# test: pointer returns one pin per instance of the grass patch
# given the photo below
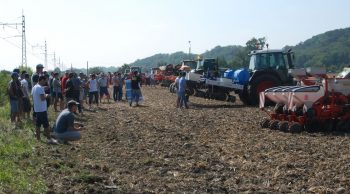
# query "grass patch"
(17, 172)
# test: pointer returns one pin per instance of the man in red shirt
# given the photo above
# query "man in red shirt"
(64, 81)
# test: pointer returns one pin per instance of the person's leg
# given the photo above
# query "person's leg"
(91, 96)
(107, 94)
(60, 97)
(184, 99)
(115, 93)
(68, 136)
(55, 97)
(181, 99)
(137, 96)
(38, 123)
(133, 97)
(19, 114)
(101, 95)
(120, 92)
(13, 110)
(96, 97)
(46, 125)
(178, 98)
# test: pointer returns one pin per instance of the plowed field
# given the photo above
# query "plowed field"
(213, 147)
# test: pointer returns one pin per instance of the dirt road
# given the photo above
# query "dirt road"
(213, 147)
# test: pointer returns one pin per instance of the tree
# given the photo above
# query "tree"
(95, 70)
(256, 44)
(123, 68)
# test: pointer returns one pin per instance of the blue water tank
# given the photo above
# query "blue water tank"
(229, 74)
(241, 76)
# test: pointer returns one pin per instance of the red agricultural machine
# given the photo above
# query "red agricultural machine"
(169, 73)
(316, 103)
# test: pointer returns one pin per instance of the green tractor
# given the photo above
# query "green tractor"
(267, 68)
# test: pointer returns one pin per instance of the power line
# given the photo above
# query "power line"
(23, 35)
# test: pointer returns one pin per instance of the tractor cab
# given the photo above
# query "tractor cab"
(207, 66)
(270, 60)
(274, 62)
(190, 63)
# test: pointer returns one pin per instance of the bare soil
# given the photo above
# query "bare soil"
(213, 147)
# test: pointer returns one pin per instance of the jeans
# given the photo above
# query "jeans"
(68, 136)
(136, 95)
(92, 95)
(120, 92)
(183, 100)
(116, 93)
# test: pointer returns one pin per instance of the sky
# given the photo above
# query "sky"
(114, 32)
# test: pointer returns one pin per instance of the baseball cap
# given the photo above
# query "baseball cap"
(72, 102)
(16, 70)
(38, 66)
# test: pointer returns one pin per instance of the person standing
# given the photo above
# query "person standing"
(103, 83)
(69, 88)
(57, 92)
(64, 80)
(93, 90)
(37, 74)
(26, 101)
(15, 94)
(76, 90)
(135, 88)
(116, 86)
(181, 92)
(40, 109)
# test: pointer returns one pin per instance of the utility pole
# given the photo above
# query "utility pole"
(45, 52)
(46, 67)
(189, 50)
(87, 68)
(54, 60)
(23, 35)
(24, 48)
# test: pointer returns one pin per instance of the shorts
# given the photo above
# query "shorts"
(104, 90)
(14, 106)
(26, 105)
(41, 119)
(57, 95)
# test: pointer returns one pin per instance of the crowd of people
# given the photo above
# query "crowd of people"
(67, 94)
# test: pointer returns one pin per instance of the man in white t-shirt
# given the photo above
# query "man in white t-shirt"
(40, 109)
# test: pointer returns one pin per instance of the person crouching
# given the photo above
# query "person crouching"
(66, 129)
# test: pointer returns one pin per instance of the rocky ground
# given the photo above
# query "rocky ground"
(213, 147)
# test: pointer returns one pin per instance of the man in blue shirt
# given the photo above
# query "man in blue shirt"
(65, 128)
(181, 92)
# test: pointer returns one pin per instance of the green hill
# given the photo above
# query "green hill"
(330, 49)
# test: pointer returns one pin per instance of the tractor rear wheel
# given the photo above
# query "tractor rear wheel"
(244, 97)
(260, 84)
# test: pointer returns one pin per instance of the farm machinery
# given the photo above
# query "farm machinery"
(317, 103)
(129, 72)
(267, 68)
